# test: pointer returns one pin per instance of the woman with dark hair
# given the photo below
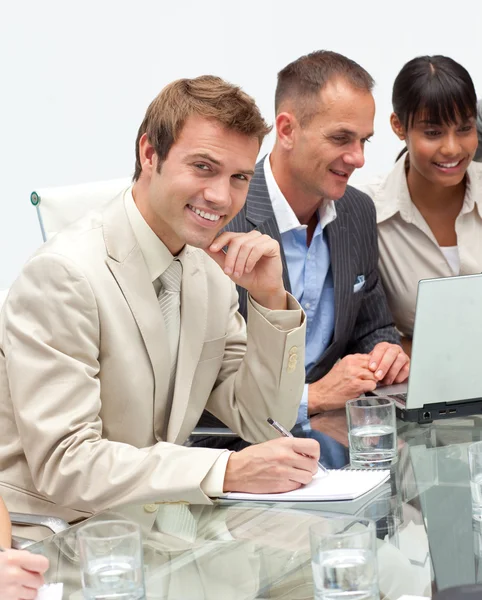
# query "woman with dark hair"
(429, 208)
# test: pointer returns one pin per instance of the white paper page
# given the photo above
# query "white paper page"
(336, 485)
(52, 591)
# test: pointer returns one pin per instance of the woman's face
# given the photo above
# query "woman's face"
(440, 153)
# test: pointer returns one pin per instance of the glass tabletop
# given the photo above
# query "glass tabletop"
(426, 539)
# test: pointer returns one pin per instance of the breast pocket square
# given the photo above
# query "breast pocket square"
(359, 283)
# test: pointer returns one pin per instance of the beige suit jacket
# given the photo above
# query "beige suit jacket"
(84, 371)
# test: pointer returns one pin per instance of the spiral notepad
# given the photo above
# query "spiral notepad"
(335, 485)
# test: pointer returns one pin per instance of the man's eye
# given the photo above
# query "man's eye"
(241, 177)
(432, 133)
(366, 140)
(339, 138)
(201, 166)
(466, 128)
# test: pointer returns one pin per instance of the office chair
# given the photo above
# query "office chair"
(57, 207)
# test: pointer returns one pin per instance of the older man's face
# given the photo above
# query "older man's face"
(331, 146)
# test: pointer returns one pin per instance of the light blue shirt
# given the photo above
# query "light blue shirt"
(310, 274)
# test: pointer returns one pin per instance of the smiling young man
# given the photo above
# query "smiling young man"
(327, 229)
(122, 329)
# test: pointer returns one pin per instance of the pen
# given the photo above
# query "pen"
(285, 433)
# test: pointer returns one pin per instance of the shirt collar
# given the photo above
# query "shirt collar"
(157, 256)
(473, 189)
(285, 216)
(394, 197)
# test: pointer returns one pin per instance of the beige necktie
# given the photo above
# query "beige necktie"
(170, 303)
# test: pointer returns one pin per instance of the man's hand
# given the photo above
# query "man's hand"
(280, 465)
(21, 574)
(349, 378)
(253, 261)
(389, 363)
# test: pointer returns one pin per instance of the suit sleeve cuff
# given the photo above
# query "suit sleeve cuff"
(212, 485)
(284, 320)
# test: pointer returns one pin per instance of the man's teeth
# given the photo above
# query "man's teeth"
(343, 174)
(448, 165)
(205, 215)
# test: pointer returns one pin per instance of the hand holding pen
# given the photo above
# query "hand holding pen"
(285, 433)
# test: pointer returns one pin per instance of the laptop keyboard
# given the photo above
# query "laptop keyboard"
(401, 398)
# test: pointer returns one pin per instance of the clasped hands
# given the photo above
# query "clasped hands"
(356, 374)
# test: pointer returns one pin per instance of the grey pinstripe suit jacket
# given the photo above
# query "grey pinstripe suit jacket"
(362, 319)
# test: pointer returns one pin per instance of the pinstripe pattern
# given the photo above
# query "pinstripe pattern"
(169, 301)
(362, 319)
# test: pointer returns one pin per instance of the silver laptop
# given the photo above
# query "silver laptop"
(446, 370)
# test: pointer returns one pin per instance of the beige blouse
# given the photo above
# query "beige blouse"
(408, 249)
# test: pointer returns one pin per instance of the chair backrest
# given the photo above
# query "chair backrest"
(57, 207)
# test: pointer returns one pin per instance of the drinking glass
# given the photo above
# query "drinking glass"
(475, 466)
(372, 432)
(111, 560)
(343, 559)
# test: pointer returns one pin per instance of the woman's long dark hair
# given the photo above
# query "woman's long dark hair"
(437, 86)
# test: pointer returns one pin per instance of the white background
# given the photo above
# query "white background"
(76, 78)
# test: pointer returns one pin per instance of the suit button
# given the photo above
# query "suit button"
(150, 508)
(291, 367)
(293, 350)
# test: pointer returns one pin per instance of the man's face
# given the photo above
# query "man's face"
(326, 151)
(202, 184)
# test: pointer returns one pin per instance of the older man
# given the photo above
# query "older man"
(327, 229)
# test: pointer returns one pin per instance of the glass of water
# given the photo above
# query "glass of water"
(344, 560)
(475, 466)
(372, 432)
(111, 560)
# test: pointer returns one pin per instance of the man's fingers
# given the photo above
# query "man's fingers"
(239, 264)
(368, 385)
(397, 366)
(267, 247)
(301, 476)
(376, 355)
(31, 580)
(365, 375)
(224, 239)
(239, 248)
(403, 373)
(307, 447)
(388, 359)
(219, 257)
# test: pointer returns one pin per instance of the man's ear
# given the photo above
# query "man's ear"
(397, 127)
(147, 155)
(286, 125)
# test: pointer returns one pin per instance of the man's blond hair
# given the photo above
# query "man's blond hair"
(206, 96)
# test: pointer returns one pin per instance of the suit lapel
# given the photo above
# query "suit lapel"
(193, 324)
(127, 265)
(340, 258)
